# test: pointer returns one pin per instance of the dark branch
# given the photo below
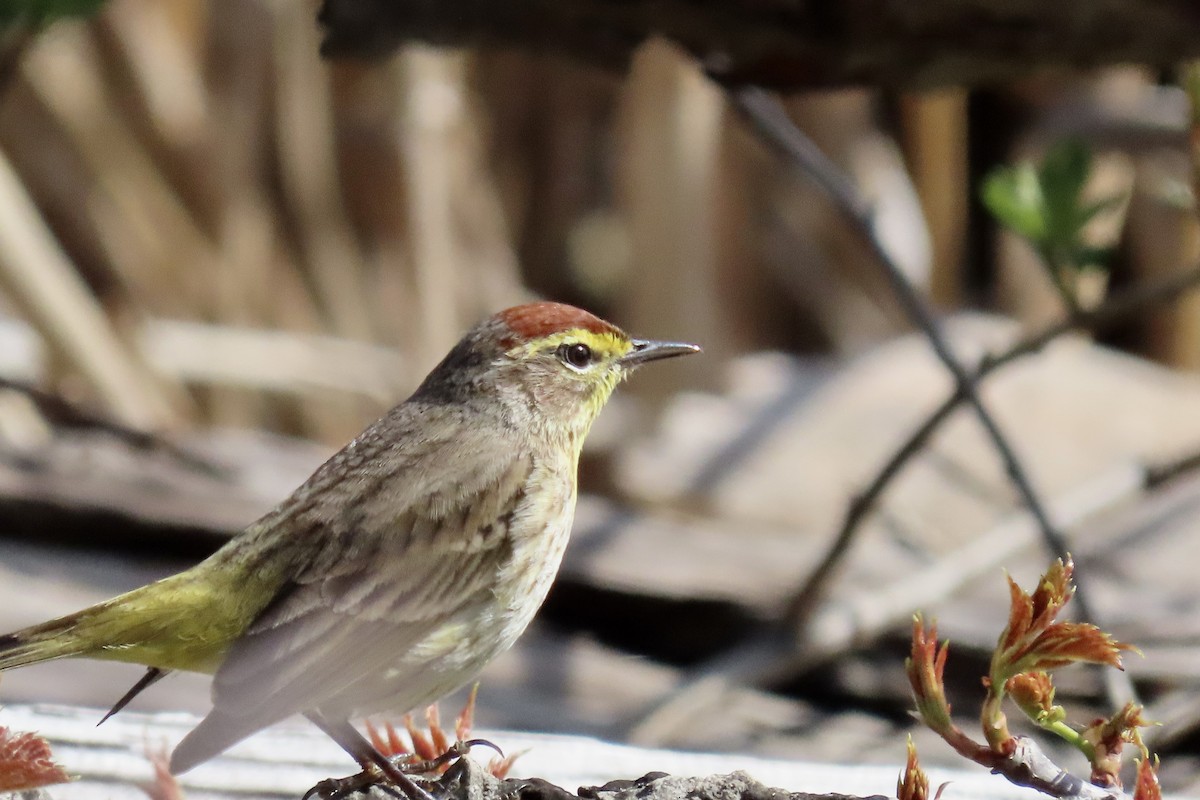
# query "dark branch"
(794, 44)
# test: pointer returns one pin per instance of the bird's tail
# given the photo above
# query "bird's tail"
(119, 629)
(57, 638)
(184, 622)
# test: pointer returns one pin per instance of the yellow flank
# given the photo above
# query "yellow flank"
(186, 621)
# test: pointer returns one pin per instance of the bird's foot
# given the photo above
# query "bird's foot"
(430, 751)
(342, 788)
(407, 764)
(451, 754)
(363, 782)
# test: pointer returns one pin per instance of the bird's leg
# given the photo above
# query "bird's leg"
(374, 763)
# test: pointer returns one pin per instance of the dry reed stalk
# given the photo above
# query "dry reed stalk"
(366, 106)
(490, 261)
(672, 127)
(161, 66)
(312, 189)
(43, 283)
(165, 252)
(433, 87)
(244, 284)
(1161, 236)
(935, 143)
(280, 362)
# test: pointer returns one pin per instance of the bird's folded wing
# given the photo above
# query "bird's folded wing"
(380, 578)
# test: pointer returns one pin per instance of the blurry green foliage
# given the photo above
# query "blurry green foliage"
(1044, 204)
(43, 12)
(1190, 81)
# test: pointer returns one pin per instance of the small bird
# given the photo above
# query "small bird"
(402, 566)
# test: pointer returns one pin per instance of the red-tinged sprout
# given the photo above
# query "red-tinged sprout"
(433, 721)
(388, 741)
(500, 767)
(1032, 644)
(164, 786)
(925, 668)
(1147, 786)
(913, 783)
(1034, 612)
(395, 741)
(432, 752)
(421, 746)
(1107, 738)
(466, 718)
(1034, 641)
(27, 763)
(375, 739)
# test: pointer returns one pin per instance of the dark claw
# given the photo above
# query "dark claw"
(333, 788)
(482, 743)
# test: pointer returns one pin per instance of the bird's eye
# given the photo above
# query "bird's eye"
(575, 354)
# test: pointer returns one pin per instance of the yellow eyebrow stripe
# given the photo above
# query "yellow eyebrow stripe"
(607, 344)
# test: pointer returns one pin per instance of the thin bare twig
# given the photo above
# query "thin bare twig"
(1116, 308)
(1159, 474)
(63, 412)
(770, 120)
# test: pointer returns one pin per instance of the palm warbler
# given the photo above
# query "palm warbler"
(408, 561)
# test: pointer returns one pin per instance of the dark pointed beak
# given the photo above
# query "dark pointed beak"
(644, 351)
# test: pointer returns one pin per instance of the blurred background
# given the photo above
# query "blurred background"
(221, 256)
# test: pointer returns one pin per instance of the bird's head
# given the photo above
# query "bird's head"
(546, 365)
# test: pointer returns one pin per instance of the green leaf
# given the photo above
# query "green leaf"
(1062, 177)
(1046, 206)
(1066, 167)
(1014, 197)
